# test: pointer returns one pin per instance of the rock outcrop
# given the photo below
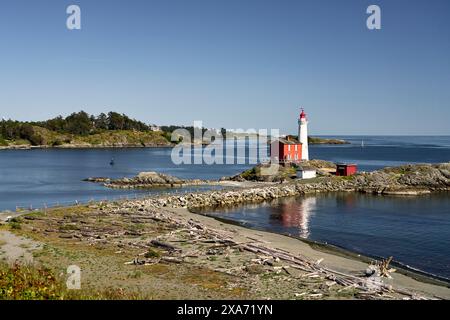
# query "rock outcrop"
(407, 179)
(265, 173)
(151, 180)
(278, 173)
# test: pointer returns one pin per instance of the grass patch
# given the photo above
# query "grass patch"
(135, 274)
(3, 142)
(205, 278)
(34, 214)
(21, 142)
(69, 227)
(271, 275)
(157, 269)
(39, 283)
(151, 253)
(15, 223)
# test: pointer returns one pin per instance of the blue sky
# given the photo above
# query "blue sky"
(232, 63)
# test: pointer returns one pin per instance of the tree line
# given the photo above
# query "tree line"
(81, 123)
(78, 123)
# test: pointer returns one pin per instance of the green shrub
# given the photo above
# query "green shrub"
(15, 223)
(28, 283)
(57, 142)
(3, 142)
(152, 254)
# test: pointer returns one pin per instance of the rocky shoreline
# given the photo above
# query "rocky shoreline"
(408, 180)
(87, 146)
(145, 180)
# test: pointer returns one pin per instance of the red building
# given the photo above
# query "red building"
(289, 150)
(345, 169)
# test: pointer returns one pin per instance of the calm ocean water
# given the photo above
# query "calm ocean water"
(398, 225)
(382, 151)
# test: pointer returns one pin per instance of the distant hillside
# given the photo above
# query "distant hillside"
(82, 130)
(314, 140)
(120, 138)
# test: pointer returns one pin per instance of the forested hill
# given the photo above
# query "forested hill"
(82, 130)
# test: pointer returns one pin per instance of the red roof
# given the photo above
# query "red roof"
(303, 114)
(291, 142)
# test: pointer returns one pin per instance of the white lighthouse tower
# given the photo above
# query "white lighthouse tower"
(303, 134)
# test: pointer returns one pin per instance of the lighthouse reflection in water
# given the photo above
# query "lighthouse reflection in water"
(315, 216)
(295, 214)
(291, 216)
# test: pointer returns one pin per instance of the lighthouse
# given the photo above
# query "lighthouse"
(303, 134)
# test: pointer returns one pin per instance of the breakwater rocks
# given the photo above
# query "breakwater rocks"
(149, 180)
(233, 197)
(405, 180)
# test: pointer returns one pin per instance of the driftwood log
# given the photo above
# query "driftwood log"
(166, 246)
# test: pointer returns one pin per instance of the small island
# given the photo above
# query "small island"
(315, 140)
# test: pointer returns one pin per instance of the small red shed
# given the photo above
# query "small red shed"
(346, 169)
(288, 150)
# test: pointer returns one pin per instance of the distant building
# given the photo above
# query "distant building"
(155, 128)
(289, 151)
(346, 169)
(303, 134)
(305, 172)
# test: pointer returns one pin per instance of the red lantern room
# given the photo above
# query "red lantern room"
(302, 115)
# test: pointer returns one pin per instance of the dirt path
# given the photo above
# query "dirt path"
(14, 248)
